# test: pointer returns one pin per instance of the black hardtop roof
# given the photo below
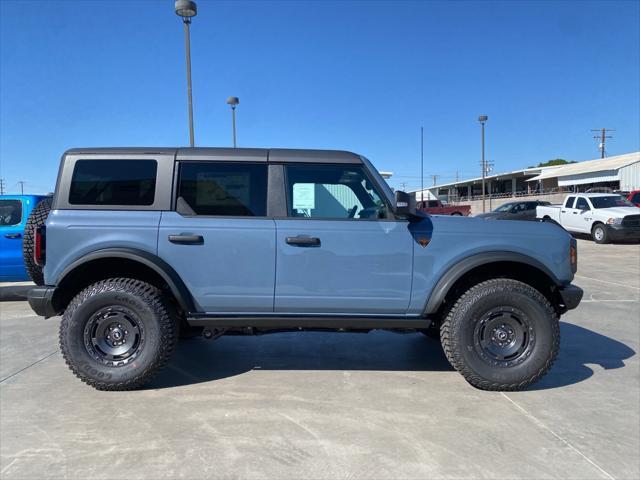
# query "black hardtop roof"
(225, 153)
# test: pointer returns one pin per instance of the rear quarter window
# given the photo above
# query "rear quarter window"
(113, 182)
(10, 212)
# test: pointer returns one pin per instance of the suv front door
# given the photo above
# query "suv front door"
(339, 251)
(219, 239)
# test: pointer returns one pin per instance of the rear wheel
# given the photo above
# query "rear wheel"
(501, 334)
(116, 334)
(599, 233)
(36, 219)
(456, 214)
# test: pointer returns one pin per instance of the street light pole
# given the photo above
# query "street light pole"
(233, 102)
(482, 119)
(187, 9)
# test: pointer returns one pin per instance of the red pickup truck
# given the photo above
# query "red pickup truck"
(435, 207)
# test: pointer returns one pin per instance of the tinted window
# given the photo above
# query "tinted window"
(569, 202)
(10, 212)
(227, 189)
(332, 191)
(636, 198)
(432, 203)
(113, 182)
(582, 204)
(610, 201)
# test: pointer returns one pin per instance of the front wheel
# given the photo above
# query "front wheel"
(501, 334)
(599, 233)
(117, 333)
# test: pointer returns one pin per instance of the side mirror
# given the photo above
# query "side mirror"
(405, 204)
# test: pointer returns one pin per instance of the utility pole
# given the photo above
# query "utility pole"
(435, 177)
(421, 163)
(457, 176)
(1, 186)
(482, 119)
(21, 182)
(603, 138)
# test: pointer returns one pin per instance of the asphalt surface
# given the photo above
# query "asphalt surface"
(320, 405)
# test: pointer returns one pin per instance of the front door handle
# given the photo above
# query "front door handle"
(186, 239)
(301, 241)
(13, 235)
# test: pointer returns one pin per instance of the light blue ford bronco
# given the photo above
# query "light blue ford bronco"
(145, 245)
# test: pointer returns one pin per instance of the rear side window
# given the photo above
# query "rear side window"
(113, 182)
(223, 189)
(569, 202)
(10, 212)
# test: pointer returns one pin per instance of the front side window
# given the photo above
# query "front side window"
(582, 204)
(636, 197)
(10, 212)
(224, 189)
(332, 191)
(113, 182)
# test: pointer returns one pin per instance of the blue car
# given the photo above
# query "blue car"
(14, 212)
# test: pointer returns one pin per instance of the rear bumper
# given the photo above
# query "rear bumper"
(571, 296)
(622, 232)
(41, 301)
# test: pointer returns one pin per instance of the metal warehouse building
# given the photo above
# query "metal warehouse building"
(621, 172)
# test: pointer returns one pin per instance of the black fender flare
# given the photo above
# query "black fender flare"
(456, 271)
(155, 263)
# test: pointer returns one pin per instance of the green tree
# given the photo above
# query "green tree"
(555, 162)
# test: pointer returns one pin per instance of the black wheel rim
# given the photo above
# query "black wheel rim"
(504, 336)
(114, 336)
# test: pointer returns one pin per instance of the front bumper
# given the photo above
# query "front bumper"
(41, 301)
(623, 232)
(571, 296)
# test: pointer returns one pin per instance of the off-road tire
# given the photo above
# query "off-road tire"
(158, 328)
(37, 218)
(599, 233)
(461, 347)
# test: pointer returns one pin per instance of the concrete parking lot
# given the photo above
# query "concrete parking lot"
(318, 405)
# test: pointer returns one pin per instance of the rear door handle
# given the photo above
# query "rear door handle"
(13, 235)
(187, 239)
(575, 213)
(301, 241)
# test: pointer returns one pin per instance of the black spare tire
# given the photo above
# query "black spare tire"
(36, 219)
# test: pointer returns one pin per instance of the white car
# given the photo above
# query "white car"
(604, 216)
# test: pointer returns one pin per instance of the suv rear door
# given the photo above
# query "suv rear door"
(12, 220)
(218, 237)
(339, 251)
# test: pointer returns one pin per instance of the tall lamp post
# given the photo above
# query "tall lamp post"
(187, 9)
(233, 102)
(483, 119)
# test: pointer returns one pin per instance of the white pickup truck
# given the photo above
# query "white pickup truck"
(604, 216)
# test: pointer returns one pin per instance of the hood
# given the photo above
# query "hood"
(489, 215)
(619, 211)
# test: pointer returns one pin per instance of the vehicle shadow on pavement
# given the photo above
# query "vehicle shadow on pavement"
(198, 360)
(579, 348)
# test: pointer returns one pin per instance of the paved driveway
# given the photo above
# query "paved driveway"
(318, 405)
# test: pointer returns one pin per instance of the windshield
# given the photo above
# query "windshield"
(504, 208)
(610, 201)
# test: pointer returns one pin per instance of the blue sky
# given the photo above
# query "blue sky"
(362, 76)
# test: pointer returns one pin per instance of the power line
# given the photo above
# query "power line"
(603, 139)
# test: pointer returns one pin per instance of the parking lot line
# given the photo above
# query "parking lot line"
(606, 281)
(544, 427)
(29, 366)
